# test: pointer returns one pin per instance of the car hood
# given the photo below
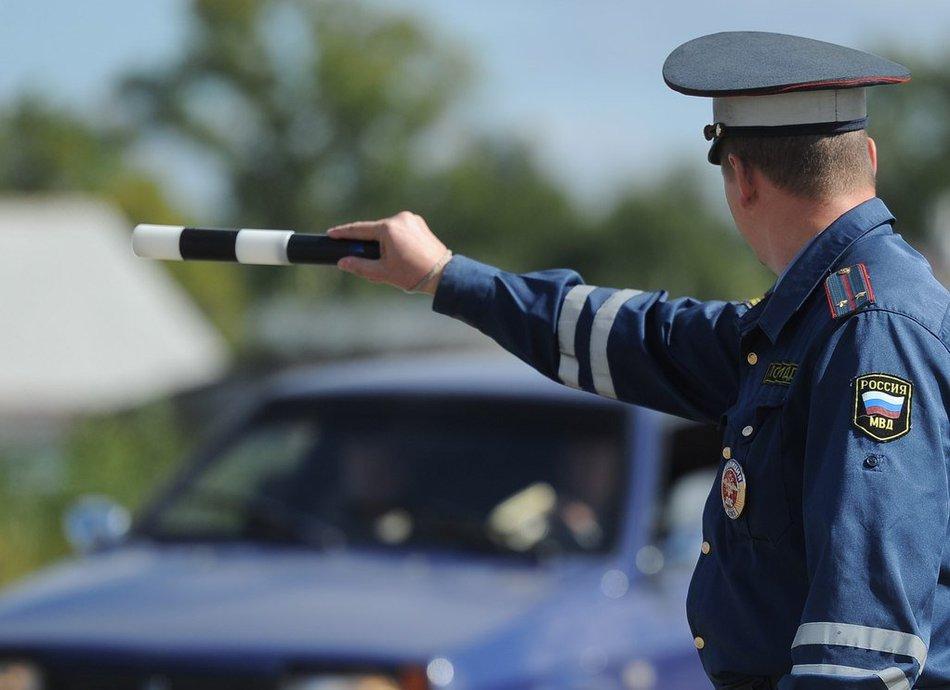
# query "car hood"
(248, 602)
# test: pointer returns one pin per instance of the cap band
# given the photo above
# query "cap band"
(796, 108)
(716, 132)
(791, 130)
(786, 115)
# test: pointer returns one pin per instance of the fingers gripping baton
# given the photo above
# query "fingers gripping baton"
(267, 247)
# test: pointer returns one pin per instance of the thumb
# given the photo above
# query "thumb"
(364, 268)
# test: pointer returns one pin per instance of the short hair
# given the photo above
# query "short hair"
(817, 166)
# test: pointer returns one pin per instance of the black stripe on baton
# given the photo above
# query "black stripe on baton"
(207, 245)
(320, 249)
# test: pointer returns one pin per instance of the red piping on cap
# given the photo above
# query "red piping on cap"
(803, 86)
(842, 83)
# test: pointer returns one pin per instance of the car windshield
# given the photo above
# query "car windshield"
(430, 473)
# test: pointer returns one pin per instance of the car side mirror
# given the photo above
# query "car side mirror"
(95, 522)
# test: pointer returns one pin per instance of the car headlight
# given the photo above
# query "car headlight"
(20, 675)
(408, 680)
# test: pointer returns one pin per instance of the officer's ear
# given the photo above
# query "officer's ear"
(744, 178)
(872, 152)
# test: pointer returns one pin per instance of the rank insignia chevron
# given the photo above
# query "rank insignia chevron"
(848, 289)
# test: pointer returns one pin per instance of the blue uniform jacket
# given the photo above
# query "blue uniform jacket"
(826, 561)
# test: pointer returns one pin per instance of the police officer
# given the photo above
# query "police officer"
(826, 559)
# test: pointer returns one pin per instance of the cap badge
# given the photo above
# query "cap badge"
(713, 131)
(733, 489)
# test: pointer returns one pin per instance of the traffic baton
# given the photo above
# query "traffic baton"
(263, 247)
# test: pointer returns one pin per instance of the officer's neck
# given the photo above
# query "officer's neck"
(787, 223)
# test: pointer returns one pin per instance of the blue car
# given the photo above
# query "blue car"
(454, 523)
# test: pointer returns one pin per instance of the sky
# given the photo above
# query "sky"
(578, 79)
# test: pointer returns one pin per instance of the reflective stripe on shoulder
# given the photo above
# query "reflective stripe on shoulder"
(599, 335)
(574, 301)
(863, 637)
(893, 677)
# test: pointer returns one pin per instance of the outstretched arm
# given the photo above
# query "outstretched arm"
(678, 356)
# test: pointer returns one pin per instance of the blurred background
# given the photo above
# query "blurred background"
(528, 134)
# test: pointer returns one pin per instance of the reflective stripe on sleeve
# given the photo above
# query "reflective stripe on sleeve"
(863, 637)
(893, 677)
(574, 301)
(599, 335)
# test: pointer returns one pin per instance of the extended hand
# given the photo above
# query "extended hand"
(408, 251)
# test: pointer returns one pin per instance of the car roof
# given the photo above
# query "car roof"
(477, 374)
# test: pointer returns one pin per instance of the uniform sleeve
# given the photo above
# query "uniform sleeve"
(875, 506)
(678, 356)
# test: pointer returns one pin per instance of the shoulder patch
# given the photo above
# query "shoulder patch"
(848, 289)
(882, 406)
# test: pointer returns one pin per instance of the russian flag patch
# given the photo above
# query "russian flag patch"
(848, 289)
(882, 405)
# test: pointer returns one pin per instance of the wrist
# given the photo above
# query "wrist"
(429, 283)
(433, 284)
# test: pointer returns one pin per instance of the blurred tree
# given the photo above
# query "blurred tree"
(911, 125)
(311, 111)
(314, 112)
(495, 203)
(122, 456)
(666, 237)
(45, 149)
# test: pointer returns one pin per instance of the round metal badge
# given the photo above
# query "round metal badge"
(733, 489)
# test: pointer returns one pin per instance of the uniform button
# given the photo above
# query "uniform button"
(699, 642)
(705, 548)
(727, 452)
(747, 430)
(752, 358)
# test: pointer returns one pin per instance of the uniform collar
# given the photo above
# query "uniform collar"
(811, 266)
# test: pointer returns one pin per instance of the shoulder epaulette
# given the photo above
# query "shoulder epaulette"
(848, 289)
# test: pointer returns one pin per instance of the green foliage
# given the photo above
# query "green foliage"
(123, 456)
(310, 128)
(325, 126)
(912, 131)
(45, 149)
(665, 237)
(495, 204)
